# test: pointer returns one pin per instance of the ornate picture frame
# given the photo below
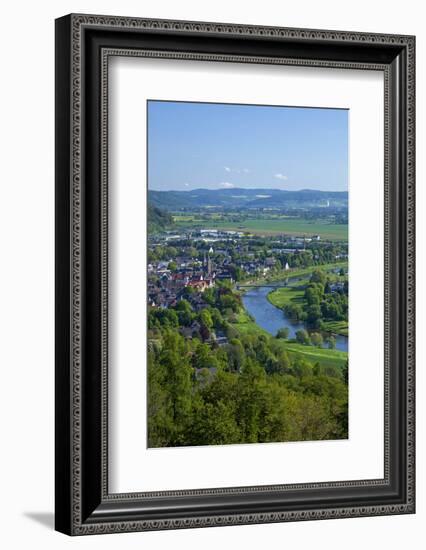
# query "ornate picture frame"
(84, 44)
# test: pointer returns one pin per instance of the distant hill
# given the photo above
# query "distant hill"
(246, 198)
(158, 219)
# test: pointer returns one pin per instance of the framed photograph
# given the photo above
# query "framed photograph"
(234, 274)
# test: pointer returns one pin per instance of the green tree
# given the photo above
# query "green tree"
(302, 337)
(283, 333)
(188, 291)
(184, 312)
(217, 318)
(236, 355)
(215, 424)
(229, 301)
(331, 342)
(316, 339)
(251, 385)
(313, 295)
(302, 368)
(209, 296)
(313, 315)
(345, 373)
(318, 276)
(206, 318)
(204, 357)
(160, 414)
(283, 363)
(174, 360)
(167, 318)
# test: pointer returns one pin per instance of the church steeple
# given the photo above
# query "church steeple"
(207, 263)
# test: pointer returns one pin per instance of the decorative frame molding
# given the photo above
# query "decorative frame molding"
(84, 44)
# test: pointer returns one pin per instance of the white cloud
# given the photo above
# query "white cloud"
(237, 170)
(281, 176)
(186, 184)
(226, 185)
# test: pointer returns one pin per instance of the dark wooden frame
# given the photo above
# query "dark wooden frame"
(83, 45)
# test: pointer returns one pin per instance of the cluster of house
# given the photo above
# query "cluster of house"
(256, 267)
(166, 287)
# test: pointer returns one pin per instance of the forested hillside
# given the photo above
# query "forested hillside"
(158, 219)
(246, 391)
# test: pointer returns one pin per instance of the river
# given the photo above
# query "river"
(272, 318)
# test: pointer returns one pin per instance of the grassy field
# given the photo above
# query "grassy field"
(270, 226)
(324, 357)
(314, 355)
(245, 325)
(281, 297)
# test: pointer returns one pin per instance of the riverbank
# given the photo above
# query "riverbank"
(244, 325)
(271, 318)
(294, 295)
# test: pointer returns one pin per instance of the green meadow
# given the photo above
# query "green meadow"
(322, 356)
(281, 297)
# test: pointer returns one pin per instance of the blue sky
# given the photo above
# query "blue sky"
(218, 146)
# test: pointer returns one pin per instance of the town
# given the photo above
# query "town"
(184, 265)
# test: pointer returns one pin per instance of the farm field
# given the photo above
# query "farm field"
(269, 226)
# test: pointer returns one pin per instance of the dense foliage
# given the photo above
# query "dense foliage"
(158, 219)
(246, 390)
(321, 302)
